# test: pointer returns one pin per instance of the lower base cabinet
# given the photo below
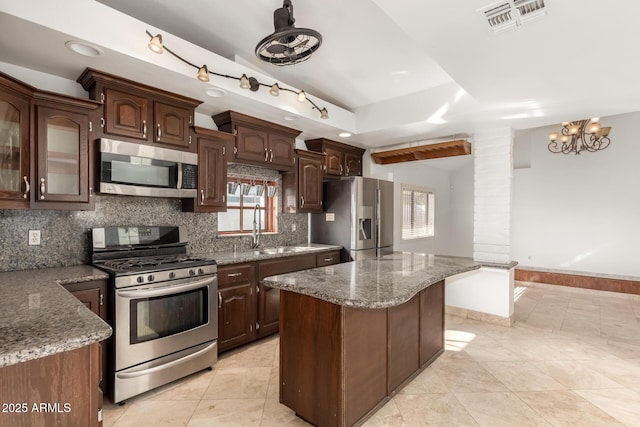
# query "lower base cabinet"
(56, 390)
(236, 305)
(248, 310)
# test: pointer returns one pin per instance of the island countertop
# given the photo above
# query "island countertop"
(378, 282)
(38, 317)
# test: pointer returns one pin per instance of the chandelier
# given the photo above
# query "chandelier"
(157, 46)
(580, 135)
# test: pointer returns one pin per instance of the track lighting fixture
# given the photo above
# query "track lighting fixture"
(251, 83)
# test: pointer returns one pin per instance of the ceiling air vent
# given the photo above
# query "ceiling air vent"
(507, 15)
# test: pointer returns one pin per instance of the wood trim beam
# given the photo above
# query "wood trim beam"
(459, 147)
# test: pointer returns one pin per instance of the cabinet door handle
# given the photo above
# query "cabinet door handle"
(144, 128)
(26, 188)
(347, 170)
(266, 155)
(159, 131)
(224, 198)
(341, 169)
(234, 274)
(271, 159)
(90, 191)
(327, 259)
(219, 299)
(43, 188)
(201, 197)
(302, 201)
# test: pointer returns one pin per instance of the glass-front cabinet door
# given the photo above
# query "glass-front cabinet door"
(62, 177)
(14, 150)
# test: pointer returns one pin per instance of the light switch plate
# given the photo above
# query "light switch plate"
(34, 237)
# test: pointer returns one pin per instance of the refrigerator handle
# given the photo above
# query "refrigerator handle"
(377, 229)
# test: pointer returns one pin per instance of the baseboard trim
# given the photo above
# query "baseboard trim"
(579, 281)
(478, 315)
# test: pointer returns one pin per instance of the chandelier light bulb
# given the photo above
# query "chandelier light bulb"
(594, 128)
(565, 124)
(553, 136)
(573, 129)
(564, 139)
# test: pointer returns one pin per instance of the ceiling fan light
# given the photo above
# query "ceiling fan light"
(275, 89)
(203, 74)
(302, 96)
(156, 44)
(244, 82)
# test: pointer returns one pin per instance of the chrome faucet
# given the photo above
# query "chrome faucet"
(257, 232)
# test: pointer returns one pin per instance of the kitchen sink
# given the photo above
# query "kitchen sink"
(281, 250)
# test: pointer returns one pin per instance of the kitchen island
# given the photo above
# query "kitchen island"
(351, 335)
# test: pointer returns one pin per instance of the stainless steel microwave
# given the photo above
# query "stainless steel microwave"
(144, 170)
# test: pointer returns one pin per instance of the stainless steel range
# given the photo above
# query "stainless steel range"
(164, 312)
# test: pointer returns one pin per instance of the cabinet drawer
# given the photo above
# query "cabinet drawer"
(236, 273)
(327, 258)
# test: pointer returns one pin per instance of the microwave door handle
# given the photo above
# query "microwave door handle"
(165, 290)
(168, 365)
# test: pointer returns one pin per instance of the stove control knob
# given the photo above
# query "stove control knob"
(172, 275)
(150, 278)
(140, 279)
(192, 272)
(200, 271)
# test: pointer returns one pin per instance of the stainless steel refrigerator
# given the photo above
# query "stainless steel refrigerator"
(357, 215)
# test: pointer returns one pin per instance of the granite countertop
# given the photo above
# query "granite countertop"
(229, 257)
(378, 282)
(38, 317)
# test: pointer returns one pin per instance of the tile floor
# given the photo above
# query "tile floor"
(571, 359)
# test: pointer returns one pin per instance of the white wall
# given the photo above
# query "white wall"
(579, 212)
(462, 192)
(417, 173)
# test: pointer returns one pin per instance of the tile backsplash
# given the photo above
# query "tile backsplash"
(66, 236)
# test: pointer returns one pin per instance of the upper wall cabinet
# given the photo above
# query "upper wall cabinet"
(258, 142)
(214, 149)
(302, 189)
(62, 153)
(341, 159)
(15, 116)
(140, 113)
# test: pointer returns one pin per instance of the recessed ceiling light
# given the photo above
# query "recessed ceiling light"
(290, 117)
(84, 48)
(215, 92)
(344, 134)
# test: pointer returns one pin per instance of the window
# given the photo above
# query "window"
(240, 206)
(418, 211)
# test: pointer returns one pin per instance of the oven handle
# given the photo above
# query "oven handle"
(134, 374)
(165, 290)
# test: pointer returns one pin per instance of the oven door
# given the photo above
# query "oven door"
(156, 320)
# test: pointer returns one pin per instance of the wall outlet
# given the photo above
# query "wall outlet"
(293, 227)
(34, 237)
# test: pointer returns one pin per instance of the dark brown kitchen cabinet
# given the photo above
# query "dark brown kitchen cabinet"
(15, 119)
(140, 113)
(259, 142)
(236, 305)
(327, 258)
(269, 298)
(302, 188)
(93, 294)
(67, 383)
(341, 159)
(62, 152)
(214, 149)
(431, 323)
